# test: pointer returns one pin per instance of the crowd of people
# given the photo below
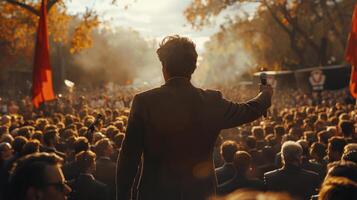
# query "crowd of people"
(305, 147)
(170, 143)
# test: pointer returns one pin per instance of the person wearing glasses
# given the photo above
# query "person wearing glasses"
(38, 176)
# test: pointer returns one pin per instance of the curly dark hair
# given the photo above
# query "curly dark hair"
(178, 56)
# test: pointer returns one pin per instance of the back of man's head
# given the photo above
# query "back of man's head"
(19, 143)
(251, 142)
(81, 144)
(346, 169)
(279, 131)
(228, 149)
(338, 188)
(347, 128)
(291, 152)
(102, 146)
(86, 161)
(336, 145)
(178, 56)
(49, 137)
(242, 162)
(258, 132)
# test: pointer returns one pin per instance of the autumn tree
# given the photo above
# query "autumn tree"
(287, 33)
(19, 22)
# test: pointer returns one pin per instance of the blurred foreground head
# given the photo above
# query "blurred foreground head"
(338, 188)
(38, 176)
(254, 195)
(178, 57)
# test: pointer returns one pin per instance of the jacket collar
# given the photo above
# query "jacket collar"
(86, 176)
(104, 158)
(291, 167)
(178, 81)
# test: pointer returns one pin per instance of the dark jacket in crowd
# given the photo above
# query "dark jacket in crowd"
(105, 173)
(240, 182)
(261, 170)
(225, 173)
(71, 170)
(86, 187)
(175, 128)
(52, 150)
(293, 180)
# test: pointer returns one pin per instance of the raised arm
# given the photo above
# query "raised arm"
(235, 114)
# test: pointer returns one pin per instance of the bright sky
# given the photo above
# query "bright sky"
(151, 18)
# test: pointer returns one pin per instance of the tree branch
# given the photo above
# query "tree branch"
(25, 6)
(50, 4)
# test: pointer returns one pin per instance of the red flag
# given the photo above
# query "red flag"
(42, 89)
(351, 54)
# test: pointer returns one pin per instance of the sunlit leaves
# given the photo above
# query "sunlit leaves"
(82, 34)
(286, 32)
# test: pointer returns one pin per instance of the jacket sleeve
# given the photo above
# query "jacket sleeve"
(131, 151)
(235, 114)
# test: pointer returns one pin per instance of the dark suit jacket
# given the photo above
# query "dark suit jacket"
(175, 128)
(294, 180)
(240, 182)
(225, 173)
(85, 187)
(105, 173)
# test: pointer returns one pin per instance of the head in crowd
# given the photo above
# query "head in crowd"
(345, 169)
(38, 176)
(305, 147)
(51, 138)
(5, 151)
(279, 131)
(335, 148)
(323, 137)
(38, 135)
(86, 161)
(318, 151)
(6, 120)
(338, 188)
(310, 136)
(251, 142)
(258, 132)
(33, 146)
(178, 56)
(104, 148)
(228, 149)
(350, 152)
(347, 128)
(118, 140)
(242, 162)
(18, 144)
(291, 153)
(81, 144)
(268, 129)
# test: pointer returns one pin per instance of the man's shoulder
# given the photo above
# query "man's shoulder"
(275, 172)
(155, 92)
(150, 92)
(219, 169)
(105, 162)
(309, 173)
